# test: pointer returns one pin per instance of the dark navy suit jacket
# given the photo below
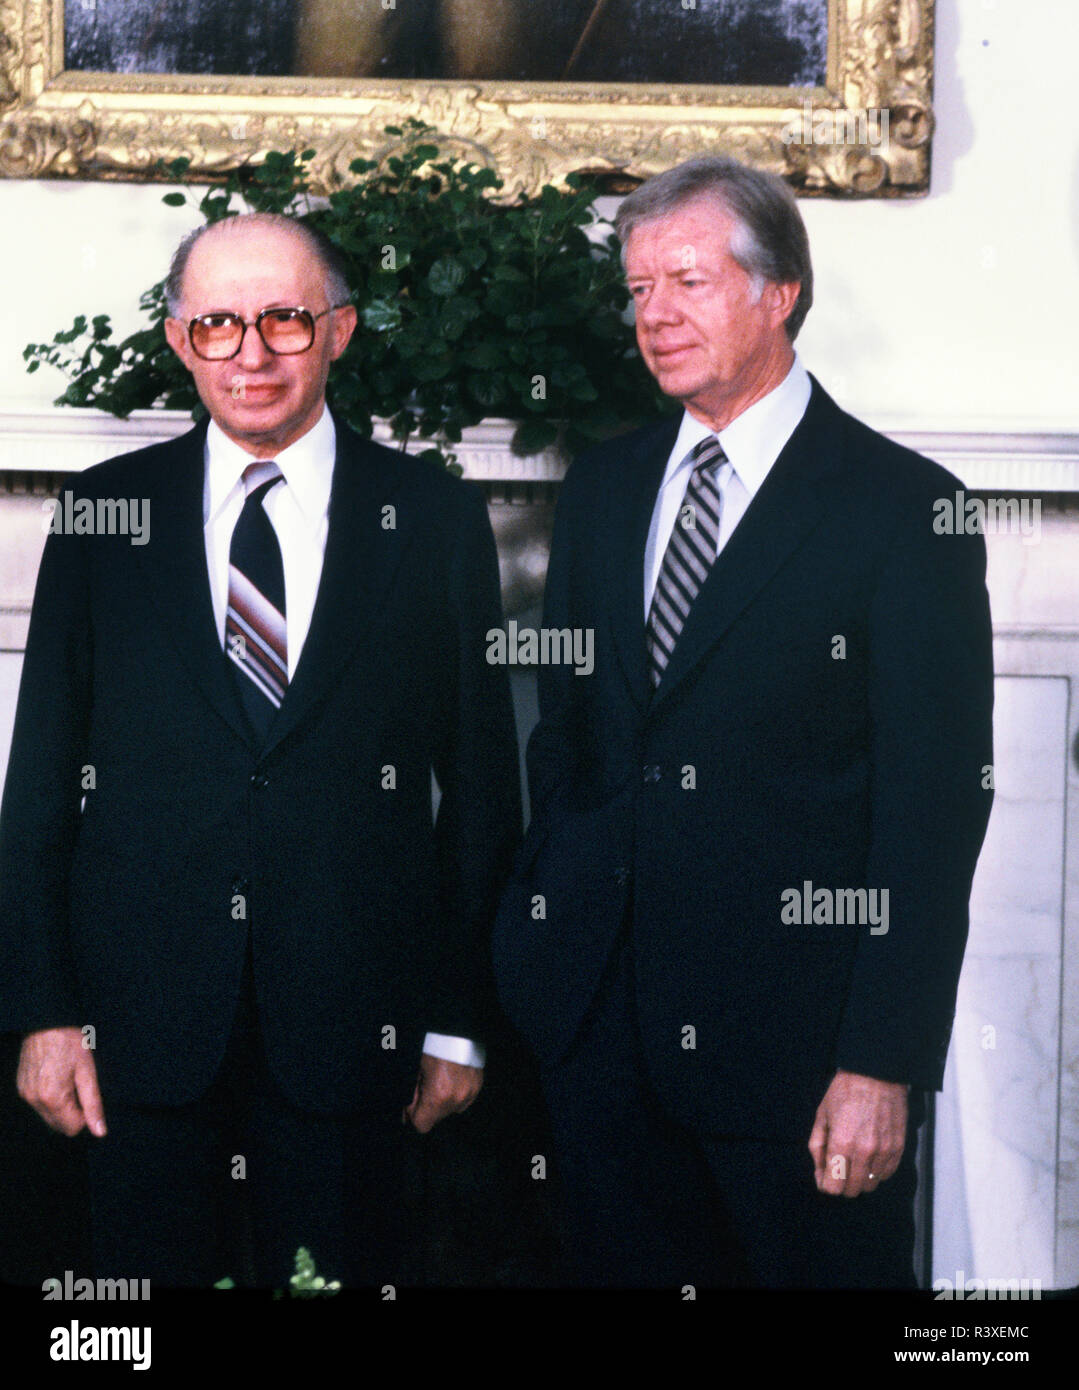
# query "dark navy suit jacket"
(366, 914)
(771, 755)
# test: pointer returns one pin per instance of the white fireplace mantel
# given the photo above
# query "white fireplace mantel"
(67, 441)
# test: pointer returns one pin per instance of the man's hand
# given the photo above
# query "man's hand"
(58, 1078)
(863, 1122)
(442, 1088)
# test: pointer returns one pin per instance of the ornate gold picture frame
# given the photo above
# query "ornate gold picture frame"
(866, 132)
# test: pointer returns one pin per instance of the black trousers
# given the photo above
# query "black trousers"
(647, 1203)
(235, 1183)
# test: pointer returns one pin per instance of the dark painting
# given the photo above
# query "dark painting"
(234, 37)
(756, 42)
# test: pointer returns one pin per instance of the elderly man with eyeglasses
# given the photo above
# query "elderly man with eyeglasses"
(243, 949)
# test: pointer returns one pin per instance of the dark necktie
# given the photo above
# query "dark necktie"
(690, 554)
(255, 633)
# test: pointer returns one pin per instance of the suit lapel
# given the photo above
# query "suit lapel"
(177, 582)
(632, 504)
(788, 505)
(362, 557)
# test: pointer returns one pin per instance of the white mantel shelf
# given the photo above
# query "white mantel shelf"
(67, 441)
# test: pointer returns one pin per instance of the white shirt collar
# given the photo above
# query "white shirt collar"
(306, 465)
(755, 439)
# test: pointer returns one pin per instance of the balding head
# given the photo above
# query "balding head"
(325, 253)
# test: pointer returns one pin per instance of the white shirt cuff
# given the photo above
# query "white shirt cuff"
(461, 1050)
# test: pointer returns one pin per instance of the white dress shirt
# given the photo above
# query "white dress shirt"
(752, 443)
(299, 512)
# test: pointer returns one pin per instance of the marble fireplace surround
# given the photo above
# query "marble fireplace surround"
(1005, 1172)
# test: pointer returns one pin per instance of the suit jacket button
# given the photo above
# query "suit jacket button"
(258, 781)
(621, 876)
(652, 772)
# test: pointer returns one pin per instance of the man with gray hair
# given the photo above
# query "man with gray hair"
(242, 949)
(734, 930)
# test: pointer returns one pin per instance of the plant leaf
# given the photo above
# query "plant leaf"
(446, 276)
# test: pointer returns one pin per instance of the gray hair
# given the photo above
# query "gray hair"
(334, 277)
(769, 240)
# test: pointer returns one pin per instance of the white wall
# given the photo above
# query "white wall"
(952, 311)
(959, 309)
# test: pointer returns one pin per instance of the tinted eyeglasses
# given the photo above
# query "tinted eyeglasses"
(217, 337)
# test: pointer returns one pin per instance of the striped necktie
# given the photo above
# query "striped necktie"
(255, 633)
(690, 554)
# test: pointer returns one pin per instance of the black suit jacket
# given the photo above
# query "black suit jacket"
(768, 757)
(131, 914)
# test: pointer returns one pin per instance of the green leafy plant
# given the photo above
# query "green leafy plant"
(469, 306)
(305, 1283)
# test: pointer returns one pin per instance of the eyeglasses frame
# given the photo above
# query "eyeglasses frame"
(256, 324)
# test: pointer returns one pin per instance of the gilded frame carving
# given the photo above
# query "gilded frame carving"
(60, 124)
